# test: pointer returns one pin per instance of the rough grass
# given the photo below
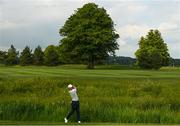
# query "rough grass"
(106, 95)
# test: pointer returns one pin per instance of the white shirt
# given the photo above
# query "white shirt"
(74, 95)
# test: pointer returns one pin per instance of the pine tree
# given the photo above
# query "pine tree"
(26, 56)
(38, 56)
(3, 55)
(12, 56)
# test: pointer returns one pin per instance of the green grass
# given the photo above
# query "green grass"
(115, 94)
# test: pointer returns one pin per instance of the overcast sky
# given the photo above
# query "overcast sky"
(37, 22)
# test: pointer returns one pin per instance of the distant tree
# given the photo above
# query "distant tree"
(3, 55)
(12, 56)
(38, 56)
(153, 51)
(122, 60)
(51, 55)
(174, 62)
(26, 56)
(88, 35)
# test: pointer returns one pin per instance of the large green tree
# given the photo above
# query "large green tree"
(88, 35)
(153, 51)
(51, 55)
(12, 56)
(26, 56)
(38, 56)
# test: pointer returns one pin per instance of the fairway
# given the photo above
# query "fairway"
(109, 94)
(81, 71)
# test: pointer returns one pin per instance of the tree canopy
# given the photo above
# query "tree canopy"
(153, 51)
(88, 35)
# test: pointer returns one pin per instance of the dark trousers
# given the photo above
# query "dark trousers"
(74, 107)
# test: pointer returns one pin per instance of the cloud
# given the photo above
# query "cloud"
(175, 17)
(170, 30)
(122, 42)
(7, 24)
(136, 8)
(126, 11)
(32, 12)
(168, 26)
(133, 31)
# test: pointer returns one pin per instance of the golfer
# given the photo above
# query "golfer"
(74, 104)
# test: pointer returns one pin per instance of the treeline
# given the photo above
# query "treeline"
(49, 56)
(122, 60)
(52, 57)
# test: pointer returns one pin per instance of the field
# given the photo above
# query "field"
(112, 94)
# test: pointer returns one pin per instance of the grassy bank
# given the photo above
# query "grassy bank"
(106, 94)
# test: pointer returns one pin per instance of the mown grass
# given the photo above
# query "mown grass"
(106, 95)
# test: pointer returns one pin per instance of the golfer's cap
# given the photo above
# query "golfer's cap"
(70, 86)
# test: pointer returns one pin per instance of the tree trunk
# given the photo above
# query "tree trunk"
(90, 63)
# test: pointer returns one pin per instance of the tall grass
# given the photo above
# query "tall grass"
(127, 100)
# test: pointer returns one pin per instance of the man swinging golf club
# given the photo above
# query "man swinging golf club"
(74, 104)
